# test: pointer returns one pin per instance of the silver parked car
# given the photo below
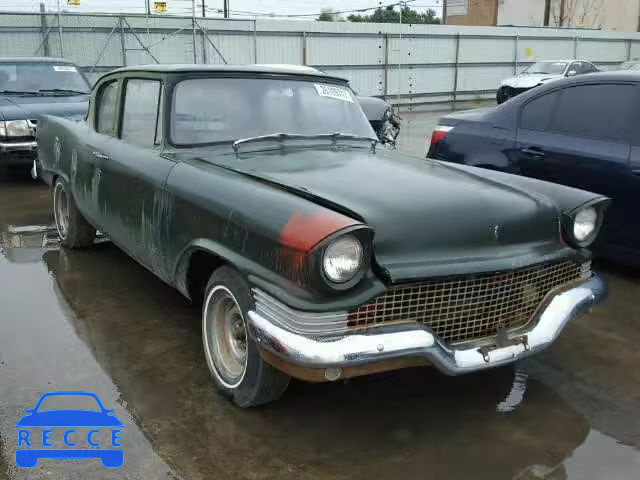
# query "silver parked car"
(539, 73)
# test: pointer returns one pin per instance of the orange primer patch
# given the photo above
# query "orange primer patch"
(303, 232)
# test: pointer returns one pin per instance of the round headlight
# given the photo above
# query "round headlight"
(342, 259)
(17, 128)
(585, 224)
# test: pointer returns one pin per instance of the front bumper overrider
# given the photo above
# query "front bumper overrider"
(416, 340)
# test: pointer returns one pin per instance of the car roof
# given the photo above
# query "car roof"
(34, 60)
(259, 69)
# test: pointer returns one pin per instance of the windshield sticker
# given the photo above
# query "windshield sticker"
(333, 92)
(64, 68)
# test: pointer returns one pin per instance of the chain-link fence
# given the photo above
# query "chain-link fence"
(100, 43)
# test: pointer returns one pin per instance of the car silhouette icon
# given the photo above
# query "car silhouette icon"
(67, 418)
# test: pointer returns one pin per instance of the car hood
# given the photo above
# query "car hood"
(426, 216)
(32, 108)
(529, 81)
(69, 418)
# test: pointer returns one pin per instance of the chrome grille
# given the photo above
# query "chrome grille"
(460, 309)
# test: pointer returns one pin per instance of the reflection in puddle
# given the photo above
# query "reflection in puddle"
(27, 244)
(516, 395)
(147, 339)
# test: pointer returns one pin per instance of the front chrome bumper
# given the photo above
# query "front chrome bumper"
(416, 340)
(18, 146)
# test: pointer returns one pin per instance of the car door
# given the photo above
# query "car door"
(579, 136)
(134, 174)
(86, 159)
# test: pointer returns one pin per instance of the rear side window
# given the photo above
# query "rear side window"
(107, 108)
(140, 118)
(538, 113)
(597, 111)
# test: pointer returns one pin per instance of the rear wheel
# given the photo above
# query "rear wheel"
(73, 228)
(238, 370)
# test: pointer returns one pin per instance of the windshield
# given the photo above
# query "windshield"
(210, 110)
(549, 68)
(32, 77)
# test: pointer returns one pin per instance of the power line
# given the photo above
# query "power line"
(356, 10)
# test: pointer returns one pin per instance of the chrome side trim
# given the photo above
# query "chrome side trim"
(418, 340)
(305, 323)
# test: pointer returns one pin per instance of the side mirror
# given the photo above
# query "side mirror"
(571, 73)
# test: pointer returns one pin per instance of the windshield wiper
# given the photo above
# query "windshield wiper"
(19, 92)
(295, 136)
(62, 90)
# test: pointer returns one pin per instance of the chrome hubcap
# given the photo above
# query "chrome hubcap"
(226, 337)
(61, 210)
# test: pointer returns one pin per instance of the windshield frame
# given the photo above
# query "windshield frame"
(302, 77)
(564, 70)
(64, 63)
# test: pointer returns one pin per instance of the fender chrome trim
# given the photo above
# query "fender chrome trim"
(417, 340)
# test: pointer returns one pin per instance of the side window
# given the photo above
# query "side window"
(597, 111)
(538, 113)
(140, 118)
(588, 67)
(106, 113)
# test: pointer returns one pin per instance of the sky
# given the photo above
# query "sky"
(239, 8)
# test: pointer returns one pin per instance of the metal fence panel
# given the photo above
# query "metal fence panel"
(480, 50)
(437, 61)
(602, 50)
(535, 49)
(327, 50)
(280, 48)
(482, 78)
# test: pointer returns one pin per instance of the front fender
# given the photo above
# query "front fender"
(244, 265)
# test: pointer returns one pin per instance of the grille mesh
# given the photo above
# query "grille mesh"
(467, 308)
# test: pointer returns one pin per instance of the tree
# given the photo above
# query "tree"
(328, 15)
(390, 15)
(577, 13)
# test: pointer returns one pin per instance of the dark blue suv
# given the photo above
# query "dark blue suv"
(582, 132)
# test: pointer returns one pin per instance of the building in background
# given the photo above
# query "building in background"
(621, 15)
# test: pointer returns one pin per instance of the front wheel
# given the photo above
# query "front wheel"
(73, 228)
(238, 370)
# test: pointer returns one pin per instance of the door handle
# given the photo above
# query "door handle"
(532, 152)
(99, 155)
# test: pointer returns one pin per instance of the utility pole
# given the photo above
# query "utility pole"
(193, 28)
(60, 31)
(204, 13)
(225, 9)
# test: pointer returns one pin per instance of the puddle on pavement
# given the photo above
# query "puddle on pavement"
(94, 320)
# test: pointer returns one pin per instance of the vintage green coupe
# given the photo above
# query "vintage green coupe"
(259, 192)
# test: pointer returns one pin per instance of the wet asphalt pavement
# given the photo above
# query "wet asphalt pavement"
(94, 320)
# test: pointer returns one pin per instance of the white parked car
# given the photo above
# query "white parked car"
(539, 73)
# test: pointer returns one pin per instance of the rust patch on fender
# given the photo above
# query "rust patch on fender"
(302, 232)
